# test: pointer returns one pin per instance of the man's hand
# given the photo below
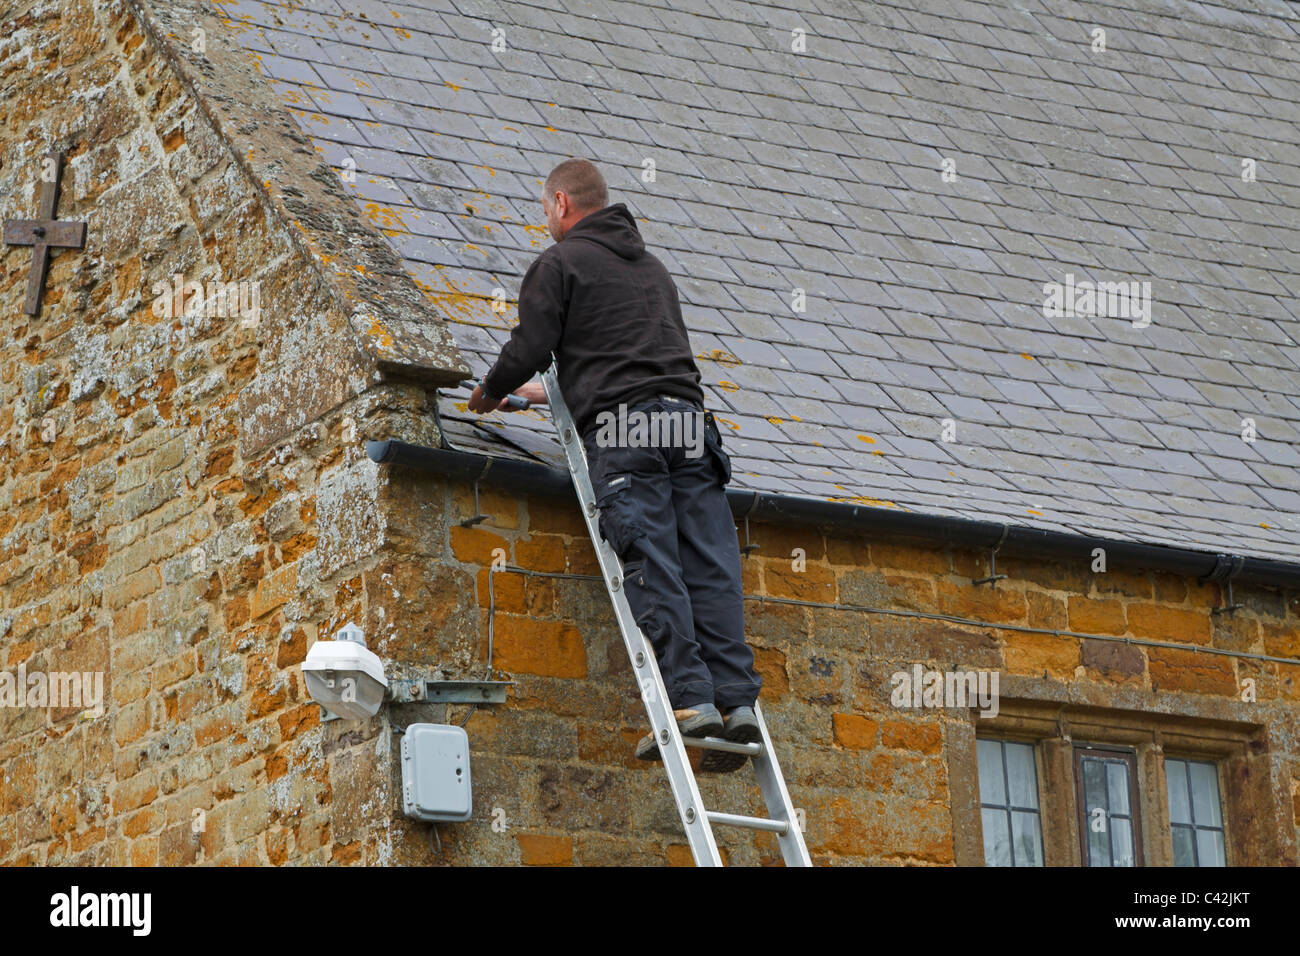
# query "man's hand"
(535, 392)
(478, 402)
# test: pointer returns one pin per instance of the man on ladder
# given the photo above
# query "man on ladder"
(609, 312)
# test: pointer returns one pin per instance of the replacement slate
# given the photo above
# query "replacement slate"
(922, 172)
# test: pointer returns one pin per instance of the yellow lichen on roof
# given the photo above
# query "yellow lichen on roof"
(721, 356)
(457, 306)
(863, 500)
(867, 438)
(385, 216)
(728, 386)
(728, 422)
(237, 27)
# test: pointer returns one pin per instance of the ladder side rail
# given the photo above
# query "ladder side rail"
(779, 806)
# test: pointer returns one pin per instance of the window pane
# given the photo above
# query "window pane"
(1121, 833)
(1020, 776)
(1098, 842)
(1094, 809)
(1117, 781)
(1184, 849)
(1209, 844)
(1029, 844)
(988, 753)
(997, 841)
(1094, 784)
(1205, 795)
(1176, 778)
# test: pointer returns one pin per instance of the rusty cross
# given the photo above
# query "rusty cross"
(45, 232)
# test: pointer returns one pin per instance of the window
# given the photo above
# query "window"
(1195, 814)
(1027, 783)
(1008, 782)
(1109, 828)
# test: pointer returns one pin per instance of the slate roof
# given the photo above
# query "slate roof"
(777, 170)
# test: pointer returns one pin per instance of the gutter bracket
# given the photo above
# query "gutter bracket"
(749, 548)
(1226, 567)
(993, 560)
(478, 515)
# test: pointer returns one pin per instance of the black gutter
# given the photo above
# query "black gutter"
(536, 478)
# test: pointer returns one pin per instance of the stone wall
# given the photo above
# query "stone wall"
(879, 784)
(184, 501)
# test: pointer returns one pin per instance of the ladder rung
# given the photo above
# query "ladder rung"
(717, 743)
(753, 823)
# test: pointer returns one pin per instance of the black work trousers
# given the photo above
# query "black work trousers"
(665, 514)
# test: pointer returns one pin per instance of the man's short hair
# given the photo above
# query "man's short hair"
(581, 181)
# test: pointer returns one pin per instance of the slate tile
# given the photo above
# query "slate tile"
(925, 295)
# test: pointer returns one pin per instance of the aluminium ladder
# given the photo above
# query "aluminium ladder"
(696, 820)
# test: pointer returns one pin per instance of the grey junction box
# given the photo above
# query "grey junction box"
(435, 772)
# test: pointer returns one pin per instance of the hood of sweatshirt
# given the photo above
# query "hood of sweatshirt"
(614, 228)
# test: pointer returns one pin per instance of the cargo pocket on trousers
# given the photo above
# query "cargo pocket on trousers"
(640, 599)
(620, 519)
(713, 440)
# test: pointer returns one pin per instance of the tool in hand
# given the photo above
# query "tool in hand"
(514, 401)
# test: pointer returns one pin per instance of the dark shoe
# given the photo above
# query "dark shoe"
(740, 727)
(695, 720)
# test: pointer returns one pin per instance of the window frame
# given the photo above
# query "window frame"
(1129, 756)
(1008, 808)
(1219, 794)
(1230, 735)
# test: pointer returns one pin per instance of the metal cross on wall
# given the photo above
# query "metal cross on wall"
(45, 232)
